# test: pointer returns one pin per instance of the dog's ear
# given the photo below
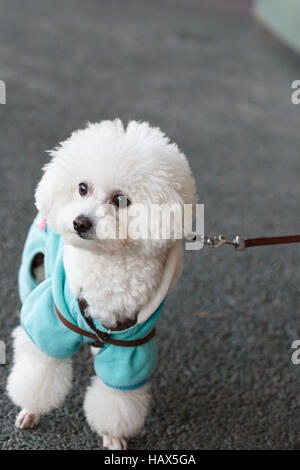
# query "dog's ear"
(180, 194)
(46, 189)
(178, 215)
(170, 277)
(43, 195)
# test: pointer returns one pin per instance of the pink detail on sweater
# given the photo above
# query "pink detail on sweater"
(42, 224)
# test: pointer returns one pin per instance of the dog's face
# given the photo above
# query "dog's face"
(99, 187)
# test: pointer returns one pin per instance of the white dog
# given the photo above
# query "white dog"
(79, 283)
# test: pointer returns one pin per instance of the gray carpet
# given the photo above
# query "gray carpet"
(219, 85)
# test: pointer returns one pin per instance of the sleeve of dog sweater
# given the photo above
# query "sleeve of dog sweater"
(34, 245)
(38, 315)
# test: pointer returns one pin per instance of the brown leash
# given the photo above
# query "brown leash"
(241, 243)
(100, 337)
(265, 241)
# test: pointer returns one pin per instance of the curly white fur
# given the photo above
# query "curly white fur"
(118, 413)
(37, 382)
(117, 278)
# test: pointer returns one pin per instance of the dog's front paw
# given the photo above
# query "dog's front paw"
(25, 419)
(114, 443)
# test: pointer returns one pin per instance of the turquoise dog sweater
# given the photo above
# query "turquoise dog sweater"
(124, 368)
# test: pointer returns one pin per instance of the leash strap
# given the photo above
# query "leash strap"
(100, 337)
(241, 243)
(265, 241)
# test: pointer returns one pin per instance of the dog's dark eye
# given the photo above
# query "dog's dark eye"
(120, 200)
(83, 189)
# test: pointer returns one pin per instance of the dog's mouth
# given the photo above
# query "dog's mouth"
(90, 235)
(94, 243)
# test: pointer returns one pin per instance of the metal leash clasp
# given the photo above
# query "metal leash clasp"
(217, 241)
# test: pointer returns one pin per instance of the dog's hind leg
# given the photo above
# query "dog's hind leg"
(37, 383)
(116, 415)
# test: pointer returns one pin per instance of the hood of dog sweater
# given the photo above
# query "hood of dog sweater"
(117, 366)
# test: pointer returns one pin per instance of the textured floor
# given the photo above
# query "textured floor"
(219, 85)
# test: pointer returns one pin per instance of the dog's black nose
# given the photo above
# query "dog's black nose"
(82, 224)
